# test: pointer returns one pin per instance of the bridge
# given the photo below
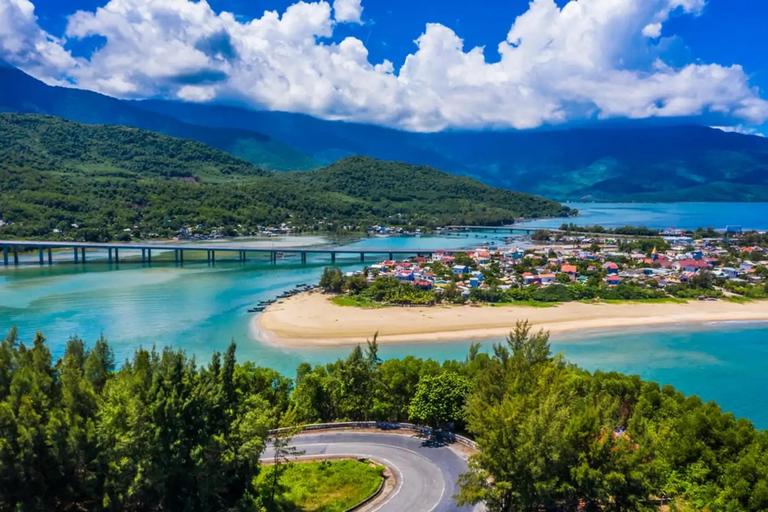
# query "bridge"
(44, 249)
(494, 229)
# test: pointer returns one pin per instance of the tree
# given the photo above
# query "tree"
(439, 399)
(545, 441)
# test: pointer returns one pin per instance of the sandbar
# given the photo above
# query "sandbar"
(311, 319)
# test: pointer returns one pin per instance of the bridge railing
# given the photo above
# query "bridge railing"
(378, 425)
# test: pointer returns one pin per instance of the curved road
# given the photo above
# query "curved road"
(426, 476)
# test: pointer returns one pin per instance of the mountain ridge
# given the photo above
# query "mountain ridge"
(63, 179)
(24, 94)
(617, 163)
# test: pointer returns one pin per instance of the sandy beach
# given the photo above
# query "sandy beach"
(313, 320)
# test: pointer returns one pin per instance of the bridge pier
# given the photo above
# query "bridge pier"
(333, 257)
(304, 257)
(143, 256)
(41, 254)
(109, 253)
(149, 256)
(181, 256)
(50, 256)
(175, 255)
(5, 255)
(117, 256)
(83, 254)
(391, 257)
(362, 257)
(273, 257)
(16, 256)
(77, 255)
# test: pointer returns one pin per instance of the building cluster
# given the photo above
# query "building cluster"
(547, 265)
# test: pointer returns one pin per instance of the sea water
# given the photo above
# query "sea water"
(201, 308)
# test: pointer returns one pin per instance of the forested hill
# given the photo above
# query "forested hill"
(381, 182)
(20, 93)
(96, 151)
(89, 182)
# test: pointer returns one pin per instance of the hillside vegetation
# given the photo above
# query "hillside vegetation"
(94, 182)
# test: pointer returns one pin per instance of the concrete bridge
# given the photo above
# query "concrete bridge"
(44, 250)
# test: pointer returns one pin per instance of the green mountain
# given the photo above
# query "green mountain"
(619, 161)
(21, 93)
(55, 174)
(624, 161)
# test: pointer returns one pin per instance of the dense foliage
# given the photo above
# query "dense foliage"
(164, 433)
(100, 183)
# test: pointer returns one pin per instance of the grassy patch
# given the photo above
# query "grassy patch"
(324, 486)
(738, 299)
(664, 300)
(357, 302)
(525, 303)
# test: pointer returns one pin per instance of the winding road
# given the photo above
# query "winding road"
(426, 475)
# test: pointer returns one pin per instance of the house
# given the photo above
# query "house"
(460, 269)
(547, 278)
(571, 270)
(746, 267)
(611, 267)
(689, 265)
(529, 278)
(474, 282)
(726, 273)
(613, 280)
(423, 284)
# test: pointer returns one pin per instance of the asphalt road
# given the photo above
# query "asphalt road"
(426, 475)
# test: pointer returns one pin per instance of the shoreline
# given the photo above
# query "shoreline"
(312, 320)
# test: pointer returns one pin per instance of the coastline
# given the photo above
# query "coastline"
(312, 320)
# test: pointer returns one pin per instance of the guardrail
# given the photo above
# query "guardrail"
(379, 426)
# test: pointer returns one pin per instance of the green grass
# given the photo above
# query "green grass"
(738, 299)
(356, 302)
(663, 300)
(525, 303)
(324, 486)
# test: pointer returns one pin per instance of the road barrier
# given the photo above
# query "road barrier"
(379, 426)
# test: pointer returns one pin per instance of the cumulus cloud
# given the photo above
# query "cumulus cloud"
(590, 58)
(24, 44)
(348, 10)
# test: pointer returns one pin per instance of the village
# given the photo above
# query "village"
(565, 268)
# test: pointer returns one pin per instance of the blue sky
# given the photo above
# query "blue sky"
(352, 59)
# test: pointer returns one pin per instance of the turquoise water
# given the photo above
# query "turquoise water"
(198, 307)
(666, 215)
(201, 308)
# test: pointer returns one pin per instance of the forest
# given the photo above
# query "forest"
(160, 431)
(65, 180)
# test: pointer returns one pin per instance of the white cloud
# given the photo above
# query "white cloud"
(744, 130)
(652, 30)
(24, 44)
(590, 58)
(348, 11)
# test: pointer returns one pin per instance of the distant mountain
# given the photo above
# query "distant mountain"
(96, 182)
(617, 162)
(21, 93)
(622, 161)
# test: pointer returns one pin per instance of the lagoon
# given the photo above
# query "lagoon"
(200, 308)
